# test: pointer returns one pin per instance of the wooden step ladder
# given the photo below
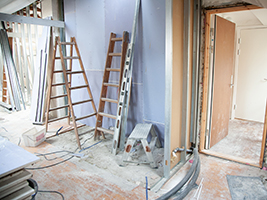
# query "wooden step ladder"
(67, 76)
(99, 130)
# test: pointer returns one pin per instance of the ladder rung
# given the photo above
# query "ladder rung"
(111, 84)
(110, 100)
(74, 72)
(114, 54)
(60, 71)
(80, 102)
(71, 57)
(107, 115)
(66, 43)
(57, 108)
(59, 96)
(117, 39)
(68, 57)
(105, 130)
(78, 87)
(87, 116)
(58, 84)
(113, 69)
(56, 119)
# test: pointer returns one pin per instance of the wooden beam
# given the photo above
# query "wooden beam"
(205, 82)
(31, 20)
(233, 9)
(232, 158)
(263, 144)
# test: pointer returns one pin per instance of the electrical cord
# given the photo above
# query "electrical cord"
(192, 169)
(35, 168)
(33, 184)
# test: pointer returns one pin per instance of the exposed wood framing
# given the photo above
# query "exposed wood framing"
(208, 14)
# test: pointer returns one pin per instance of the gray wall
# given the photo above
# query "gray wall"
(91, 22)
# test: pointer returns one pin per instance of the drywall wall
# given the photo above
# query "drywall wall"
(252, 75)
(91, 23)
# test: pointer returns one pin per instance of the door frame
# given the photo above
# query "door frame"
(206, 69)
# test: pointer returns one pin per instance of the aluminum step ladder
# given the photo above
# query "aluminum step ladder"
(68, 72)
(141, 132)
(107, 85)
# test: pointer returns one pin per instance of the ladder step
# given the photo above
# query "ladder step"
(56, 119)
(114, 54)
(57, 108)
(68, 57)
(105, 130)
(75, 72)
(78, 87)
(117, 39)
(113, 69)
(80, 102)
(111, 84)
(60, 71)
(59, 96)
(110, 100)
(107, 115)
(66, 43)
(87, 116)
(58, 84)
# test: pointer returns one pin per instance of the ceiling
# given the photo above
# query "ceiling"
(248, 18)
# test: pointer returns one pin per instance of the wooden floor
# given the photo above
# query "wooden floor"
(78, 181)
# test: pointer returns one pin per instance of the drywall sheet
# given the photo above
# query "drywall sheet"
(153, 48)
(13, 157)
(91, 23)
(85, 21)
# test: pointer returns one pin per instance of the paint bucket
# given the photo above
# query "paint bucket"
(33, 137)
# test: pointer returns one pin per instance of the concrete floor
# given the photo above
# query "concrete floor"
(85, 178)
(243, 140)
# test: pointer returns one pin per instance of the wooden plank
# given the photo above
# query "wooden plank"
(64, 130)
(107, 115)
(80, 102)
(111, 84)
(205, 82)
(230, 157)
(87, 116)
(105, 130)
(263, 144)
(78, 87)
(57, 108)
(233, 9)
(114, 54)
(110, 100)
(56, 119)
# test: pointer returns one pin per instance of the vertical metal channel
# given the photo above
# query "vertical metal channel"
(195, 73)
(29, 31)
(25, 60)
(185, 95)
(128, 82)
(168, 87)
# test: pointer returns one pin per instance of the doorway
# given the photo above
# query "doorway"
(222, 134)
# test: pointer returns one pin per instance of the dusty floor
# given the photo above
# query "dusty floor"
(243, 140)
(97, 174)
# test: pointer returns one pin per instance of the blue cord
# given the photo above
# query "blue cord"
(89, 146)
(146, 190)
